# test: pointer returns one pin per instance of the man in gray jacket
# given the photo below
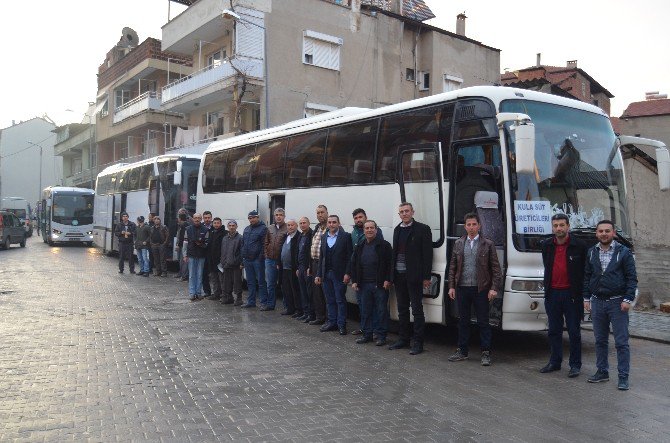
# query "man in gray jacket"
(142, 234)
(231, 263)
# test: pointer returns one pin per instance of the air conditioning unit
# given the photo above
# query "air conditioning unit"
(211, 130)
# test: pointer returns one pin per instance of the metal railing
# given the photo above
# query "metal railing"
(148, 100)
(210, 75)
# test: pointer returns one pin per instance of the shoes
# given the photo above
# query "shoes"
(309, 320)
(623, 383)
(164, 274)
(120, 271)
(599, 376)
(574, 372)
(146, 274)
(193, 299)
(363, 340)
(328, 327)
(303, 317)
(317, 322)
(356, 332)
(287, 313)
(380, 342)
(246, 305)
(177, 276)
(343, 330)
(486, 358)
(184, 279)
(550, 368)
(266, 308)
(238, 302)
(226, 302)
(417, 349)
(458, 356)
(399, 345)
(132, 271)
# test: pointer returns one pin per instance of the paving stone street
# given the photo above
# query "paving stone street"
(89, 354)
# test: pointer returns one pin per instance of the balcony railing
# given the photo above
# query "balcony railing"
(148, 100)
(210, 75)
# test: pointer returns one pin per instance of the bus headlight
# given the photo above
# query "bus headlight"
(56, 231)
(89, 233)
(528, 285)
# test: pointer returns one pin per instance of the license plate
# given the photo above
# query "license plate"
(74, 239)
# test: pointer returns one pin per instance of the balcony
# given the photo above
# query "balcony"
(142, 103)
(212, 75)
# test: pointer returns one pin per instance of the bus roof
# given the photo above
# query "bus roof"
(69, 189)
(121, 166)
(496, 94)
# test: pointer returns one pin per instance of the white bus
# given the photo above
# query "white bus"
(20, 207)
(513, 156)
(160, 185)
(66, 215)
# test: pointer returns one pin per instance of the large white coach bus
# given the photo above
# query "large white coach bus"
(66, 215)
(513, 156)
(160, 185)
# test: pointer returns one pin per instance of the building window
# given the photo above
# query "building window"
(121, 97)
(321, 50)
(409, 75)
(312, 109)
(215, 59)
(424, 81)
(451, 83)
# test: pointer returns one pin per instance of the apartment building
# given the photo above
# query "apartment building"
(261, 63)
(130, 123)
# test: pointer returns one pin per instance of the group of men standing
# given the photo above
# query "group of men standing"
(312, 267)
(601, 279)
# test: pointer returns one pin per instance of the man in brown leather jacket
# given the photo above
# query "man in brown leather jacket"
(274, 239)
(474, 277)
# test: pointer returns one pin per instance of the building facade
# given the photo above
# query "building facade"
(264, 63)
(27, 161)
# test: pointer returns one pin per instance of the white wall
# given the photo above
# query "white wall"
(20, 160)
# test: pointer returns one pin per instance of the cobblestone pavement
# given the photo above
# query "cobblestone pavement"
(88, 354)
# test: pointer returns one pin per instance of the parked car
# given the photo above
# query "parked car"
(12, 230)
(19, 207)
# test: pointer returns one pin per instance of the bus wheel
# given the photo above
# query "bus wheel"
(89, 244)
(50, 242)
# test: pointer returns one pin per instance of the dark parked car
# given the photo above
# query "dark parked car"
(11, 230)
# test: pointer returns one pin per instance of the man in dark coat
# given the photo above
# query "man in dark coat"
(125, 232)
(216, 234)
(563, 256)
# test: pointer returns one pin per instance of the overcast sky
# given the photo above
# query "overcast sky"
(51, 50)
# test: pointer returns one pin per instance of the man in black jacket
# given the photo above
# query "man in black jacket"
(371, 276)
(125, 232)
(563, 256)
(303, 260)
(288, 255)
(412, 264)
(216, 234)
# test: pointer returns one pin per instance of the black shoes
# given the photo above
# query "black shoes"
(356, 332)
(328, 327)
(363, 340)
(551, 368)
(343, 330)
(287, 313)
(416, 349)
(317, 322)
(380, 342)
(599, 377)
(458, 356)
(623, 383)
(574, 372)
(266, 308)
(247, 305)
(399, 345)
(120, 271)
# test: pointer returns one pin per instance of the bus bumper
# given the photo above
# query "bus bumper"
(523, 311)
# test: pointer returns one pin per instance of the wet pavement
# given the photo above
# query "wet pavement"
(89, 354)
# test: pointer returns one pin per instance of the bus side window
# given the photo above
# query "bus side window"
(304, 160)
(350, 150)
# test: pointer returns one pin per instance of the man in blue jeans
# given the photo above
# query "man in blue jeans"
(563, 256)
(275, 235)
(371, 276)
(253, 259)
(196, 241)
(332, 274)
(610, 284)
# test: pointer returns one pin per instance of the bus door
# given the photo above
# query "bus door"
(119, 206)
(154, 198)
(420, 178)
(276, 201)
(476, 186)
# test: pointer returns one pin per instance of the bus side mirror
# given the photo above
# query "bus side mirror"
(177, 178)
(663, 166)
(48, 202)
(523, 131)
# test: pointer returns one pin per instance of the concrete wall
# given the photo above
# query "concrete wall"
(20, 160)
(656, 127)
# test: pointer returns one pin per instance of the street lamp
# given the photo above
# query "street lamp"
(234, 16)
(39, 193)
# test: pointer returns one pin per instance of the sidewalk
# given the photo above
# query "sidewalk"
(647, 325)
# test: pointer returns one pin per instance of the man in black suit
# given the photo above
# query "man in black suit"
(412, 265)
(336, 252)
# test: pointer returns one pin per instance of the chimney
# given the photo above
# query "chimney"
(460, 24)
(572, 64)
(355, 19)
(539, 57)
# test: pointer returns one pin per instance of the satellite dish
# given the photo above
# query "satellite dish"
(129, 38)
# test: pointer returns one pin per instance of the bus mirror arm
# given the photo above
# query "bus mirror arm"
(662, 157)
(524, 139)
(177, 178)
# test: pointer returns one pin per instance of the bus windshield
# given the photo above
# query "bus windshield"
(190, 169)
(578, 172)
(72, 209)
